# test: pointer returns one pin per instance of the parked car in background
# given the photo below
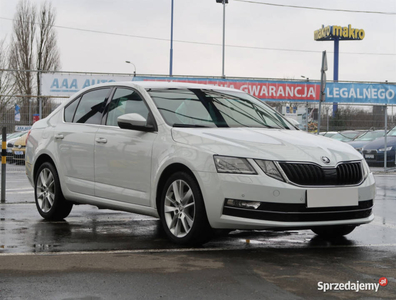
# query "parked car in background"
(11, 139)
(347, 135)
(198, 157)
(18, 151)
(328, 133)
(366, 138)
(374, 152)
(294, 122)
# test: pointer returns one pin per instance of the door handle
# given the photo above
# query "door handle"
(59, 137)
(101, 140)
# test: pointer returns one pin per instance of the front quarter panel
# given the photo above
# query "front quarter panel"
(167, 152)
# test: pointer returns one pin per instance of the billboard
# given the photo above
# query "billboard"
(333, 32)
(262, 89)
(371, 93)
(361, 93)
(59, 84)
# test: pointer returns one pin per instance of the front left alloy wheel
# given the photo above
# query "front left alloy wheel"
(50, 201)
(182, 211)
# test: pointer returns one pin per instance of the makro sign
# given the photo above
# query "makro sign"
(58, 84)
(342, 33)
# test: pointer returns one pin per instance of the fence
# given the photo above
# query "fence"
(361, 126)
(366, 120)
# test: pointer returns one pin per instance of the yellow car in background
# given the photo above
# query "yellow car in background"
(18, 151)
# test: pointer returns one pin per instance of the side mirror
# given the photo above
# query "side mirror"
(134, 122)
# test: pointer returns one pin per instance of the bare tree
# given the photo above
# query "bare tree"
(22, 53)
(48, 57)
(5, 82)
(33, 48)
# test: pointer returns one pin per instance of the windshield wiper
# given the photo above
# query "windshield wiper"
(191, 125)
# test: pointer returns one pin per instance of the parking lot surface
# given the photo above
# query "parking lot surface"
(103, 254)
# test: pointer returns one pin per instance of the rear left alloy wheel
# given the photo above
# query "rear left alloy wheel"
(50, 202)
(182, 211)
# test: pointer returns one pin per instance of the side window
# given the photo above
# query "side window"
(91, 107)
(70, 109)
(126, 101)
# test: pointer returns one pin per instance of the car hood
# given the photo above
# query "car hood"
(358, 144)
(271, 144)
(13, 140)
(380, 143)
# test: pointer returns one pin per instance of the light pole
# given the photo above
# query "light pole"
(134, 72)
(224, 3)
(171, 44)
(306, 105)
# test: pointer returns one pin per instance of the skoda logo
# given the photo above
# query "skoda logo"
(325, 159)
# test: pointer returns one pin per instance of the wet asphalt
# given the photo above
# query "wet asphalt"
(104, 254)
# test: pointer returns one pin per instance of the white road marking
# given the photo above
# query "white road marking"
(177, 250)
(26, 192)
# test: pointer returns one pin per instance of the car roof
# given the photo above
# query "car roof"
(165, 84)
(146, 85)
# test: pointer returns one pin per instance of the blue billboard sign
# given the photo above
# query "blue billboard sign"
(372, 93)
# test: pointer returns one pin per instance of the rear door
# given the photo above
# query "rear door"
(75, 139)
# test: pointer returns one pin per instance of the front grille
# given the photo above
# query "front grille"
(310, 174)
(370, 151)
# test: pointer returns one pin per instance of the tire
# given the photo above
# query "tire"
(50, 202)
(183, 215)
(333, 231)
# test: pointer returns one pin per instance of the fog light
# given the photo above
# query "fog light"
(243, 203)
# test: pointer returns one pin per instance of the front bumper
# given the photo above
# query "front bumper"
(283, 205)
(10, 155)
(18, 154)
(301, 213)
(375, 157)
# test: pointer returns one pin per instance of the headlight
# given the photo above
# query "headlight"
(366, 169)
(360, 150)
(235, 165)
(387, 149)
(270, 169)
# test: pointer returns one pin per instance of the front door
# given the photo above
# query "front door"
(123, 156)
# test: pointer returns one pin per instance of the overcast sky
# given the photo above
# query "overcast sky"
(249, 26)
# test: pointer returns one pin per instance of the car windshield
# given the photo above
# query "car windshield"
(345, 136)
(370, 135)
(392, 132)
(329, 134)
(16, 134)
(211, 108)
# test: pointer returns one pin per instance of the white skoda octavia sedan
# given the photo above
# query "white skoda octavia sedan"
(199, 157)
